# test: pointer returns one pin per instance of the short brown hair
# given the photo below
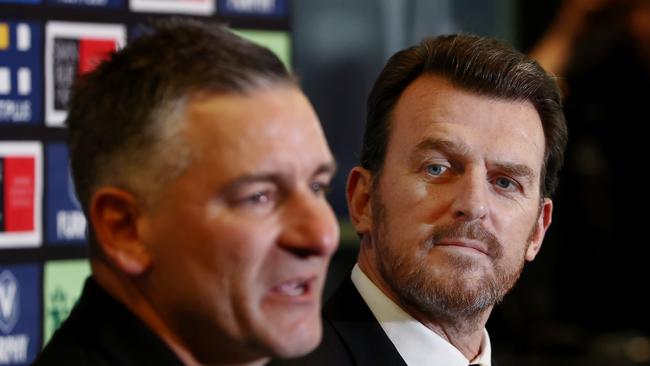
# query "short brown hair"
(124, 116)
(479, 65)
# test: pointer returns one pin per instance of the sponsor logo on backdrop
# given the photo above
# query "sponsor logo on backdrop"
(64, 220)
(9, 301)
(263, 8)
(19, 316)
(198, 7)
(63, 282)
(20, 194)
(72, 49)
(60, 306)
(21, 77)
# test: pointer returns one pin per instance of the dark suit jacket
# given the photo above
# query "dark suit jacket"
(351, 335)
(101, 331)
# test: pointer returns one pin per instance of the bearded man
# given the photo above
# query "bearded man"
(463, 143)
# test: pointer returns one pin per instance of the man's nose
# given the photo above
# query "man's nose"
(310, 226)
(470, 202)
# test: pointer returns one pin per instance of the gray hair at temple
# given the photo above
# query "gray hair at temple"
(125, 117)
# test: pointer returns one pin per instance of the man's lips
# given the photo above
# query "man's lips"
(464, 243)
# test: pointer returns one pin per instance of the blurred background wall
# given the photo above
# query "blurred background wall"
(582, 300)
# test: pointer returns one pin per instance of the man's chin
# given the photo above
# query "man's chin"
(295, 345)
(458, 294)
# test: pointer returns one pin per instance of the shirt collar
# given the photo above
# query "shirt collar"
(417, 344)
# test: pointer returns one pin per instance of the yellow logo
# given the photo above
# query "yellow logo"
(4, 36)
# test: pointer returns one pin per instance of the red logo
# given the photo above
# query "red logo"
(19, 185)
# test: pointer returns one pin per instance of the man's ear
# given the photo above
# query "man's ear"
(542, 224)
(358, 196)
(115, 214)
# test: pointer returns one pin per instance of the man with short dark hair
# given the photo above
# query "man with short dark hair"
(202, 170)
(463, 142)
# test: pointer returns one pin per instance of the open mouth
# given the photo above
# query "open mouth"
(294, 288)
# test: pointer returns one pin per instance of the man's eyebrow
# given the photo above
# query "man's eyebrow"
(446, 146)
(273, 177)
(327, 168)
(516, 170)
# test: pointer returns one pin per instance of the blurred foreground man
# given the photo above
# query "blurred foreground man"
(464, 139)
(202, 170)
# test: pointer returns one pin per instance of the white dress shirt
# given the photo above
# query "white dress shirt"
(417, 344)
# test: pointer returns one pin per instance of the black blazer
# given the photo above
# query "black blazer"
(351, 335)
(100, 331)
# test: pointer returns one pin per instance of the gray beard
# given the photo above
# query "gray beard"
(446, 297)
(451, 298)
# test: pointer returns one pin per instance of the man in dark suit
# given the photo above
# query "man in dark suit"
(463, 142)
(201, 168)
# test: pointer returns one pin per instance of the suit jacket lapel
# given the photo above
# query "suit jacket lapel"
(357, 326)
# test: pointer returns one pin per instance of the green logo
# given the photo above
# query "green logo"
(62, 285)
(60, 309)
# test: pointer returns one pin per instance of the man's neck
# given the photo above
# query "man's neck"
(129, 294)
(465, 334)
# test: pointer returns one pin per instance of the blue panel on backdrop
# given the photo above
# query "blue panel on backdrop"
(90, 3)
(258, 8)
(21, 75)
(64, 220)
(20, 319)
(21, 1)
